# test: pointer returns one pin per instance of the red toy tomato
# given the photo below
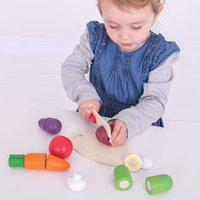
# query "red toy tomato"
(61, 146)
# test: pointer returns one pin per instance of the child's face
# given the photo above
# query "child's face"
(127, 29)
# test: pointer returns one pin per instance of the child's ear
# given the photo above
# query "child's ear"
(160, 8)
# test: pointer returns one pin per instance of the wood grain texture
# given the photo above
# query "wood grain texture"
(87, 145)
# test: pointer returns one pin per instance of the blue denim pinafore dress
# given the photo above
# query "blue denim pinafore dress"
(118, 76)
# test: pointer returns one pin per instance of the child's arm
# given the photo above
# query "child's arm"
(79, 89)
(152, 103)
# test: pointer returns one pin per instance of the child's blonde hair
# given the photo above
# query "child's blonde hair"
(124, 4)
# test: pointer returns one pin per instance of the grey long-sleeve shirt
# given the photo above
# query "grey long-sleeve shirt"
(137, 118)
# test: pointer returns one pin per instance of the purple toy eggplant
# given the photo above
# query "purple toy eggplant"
(50, 125)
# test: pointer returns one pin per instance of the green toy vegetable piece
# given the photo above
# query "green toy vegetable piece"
(16, 160)
(157, 184)
(123, 180)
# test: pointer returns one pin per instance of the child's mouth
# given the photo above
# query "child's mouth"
(126, 44)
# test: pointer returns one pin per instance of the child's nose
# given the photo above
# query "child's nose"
(124, 35)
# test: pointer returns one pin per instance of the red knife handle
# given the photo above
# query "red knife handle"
(93, 118)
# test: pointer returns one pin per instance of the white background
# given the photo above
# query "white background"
(36, 37)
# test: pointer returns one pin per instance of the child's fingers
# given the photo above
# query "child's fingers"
(111, 123)
(115, 132)
(85, 109)
(88, 112)
(120, 137)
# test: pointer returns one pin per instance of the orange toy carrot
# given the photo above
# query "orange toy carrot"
(55, 163)
(35, 160)
(38, 161)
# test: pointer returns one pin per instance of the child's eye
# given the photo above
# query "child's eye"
(114, 27)
(136, 28)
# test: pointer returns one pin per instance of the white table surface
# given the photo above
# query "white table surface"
(175, 153)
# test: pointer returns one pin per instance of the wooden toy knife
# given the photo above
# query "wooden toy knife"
(97, 119)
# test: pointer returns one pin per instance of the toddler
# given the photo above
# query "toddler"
(130, 68)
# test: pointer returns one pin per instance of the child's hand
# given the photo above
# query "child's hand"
(85, 109)
(119, 133)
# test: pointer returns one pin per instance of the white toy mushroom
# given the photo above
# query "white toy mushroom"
(76, 182)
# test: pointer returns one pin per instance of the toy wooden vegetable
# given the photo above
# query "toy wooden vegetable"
(61, 146)
(50, 125)
(157, 184)
(76, 182)
(38, 161)
(102, 136)
(122, 176)
(54, 163)
(35, 160)
(134, 163)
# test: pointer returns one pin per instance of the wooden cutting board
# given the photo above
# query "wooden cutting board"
(87, 145)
